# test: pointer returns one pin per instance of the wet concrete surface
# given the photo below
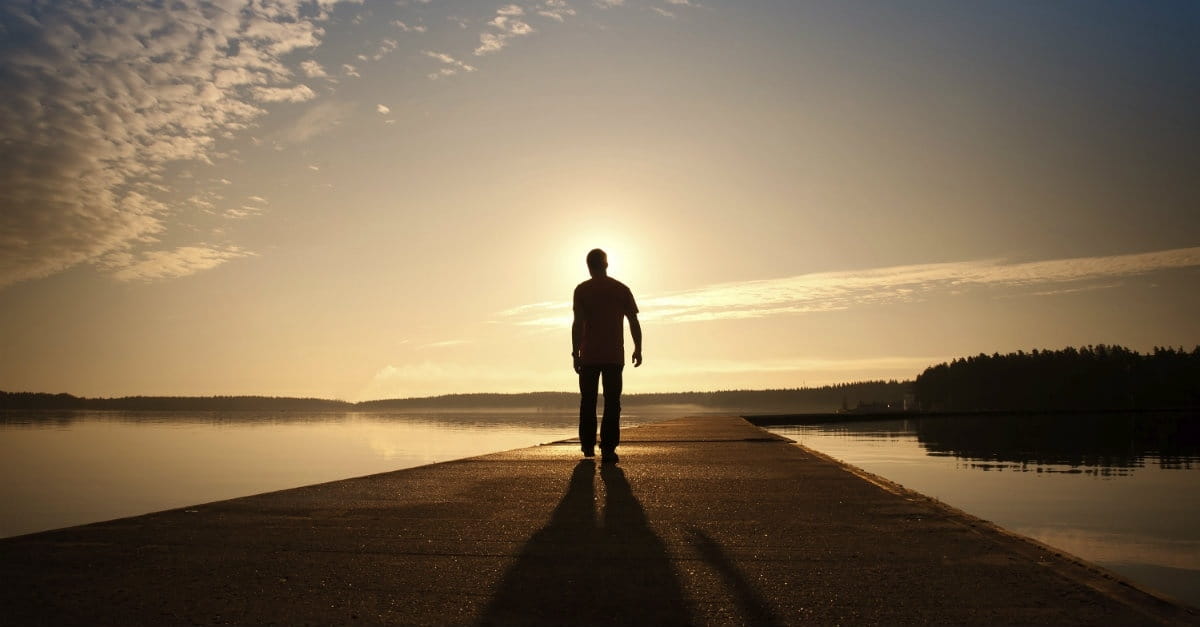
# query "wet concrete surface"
(705, 521)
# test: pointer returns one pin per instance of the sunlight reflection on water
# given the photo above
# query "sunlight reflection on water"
(59, 469)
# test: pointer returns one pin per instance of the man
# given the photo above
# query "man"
(601, 305)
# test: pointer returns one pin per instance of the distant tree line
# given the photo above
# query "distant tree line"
(541, 400)
(1097, 377)
(821, 399)
(36, 400)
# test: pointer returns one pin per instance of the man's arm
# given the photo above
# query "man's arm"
(576, 339)
(635, 329)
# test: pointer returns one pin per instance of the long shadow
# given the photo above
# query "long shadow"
(755, 609)
(589, 570)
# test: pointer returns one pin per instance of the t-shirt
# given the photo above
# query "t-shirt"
(601, 304)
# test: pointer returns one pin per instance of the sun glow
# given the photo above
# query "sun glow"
(625, 263)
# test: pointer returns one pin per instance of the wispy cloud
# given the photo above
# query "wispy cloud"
(446, 343)
(450, 65)
(385, 47)
(833, 291)
(313, 69)
(674, 4)
(505, 26)
(320, 117)
(257, 206)
(97, 100)
(556, 10)
(429, 378)
(407, 28)
(299, 93)
(169, 264)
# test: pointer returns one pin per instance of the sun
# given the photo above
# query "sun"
(624, 262)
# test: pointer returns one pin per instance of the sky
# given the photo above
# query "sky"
(372, 199)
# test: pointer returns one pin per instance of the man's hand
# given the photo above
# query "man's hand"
(637, 358)
(575, 362)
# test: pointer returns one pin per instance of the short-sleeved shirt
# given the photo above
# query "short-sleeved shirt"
(601, 304)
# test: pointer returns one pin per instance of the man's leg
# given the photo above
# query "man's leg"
(610, 427)
(589, 383)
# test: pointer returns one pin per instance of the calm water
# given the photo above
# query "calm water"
(68, 468)
(1119, 491)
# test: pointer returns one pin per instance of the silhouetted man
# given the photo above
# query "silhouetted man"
(601, 305)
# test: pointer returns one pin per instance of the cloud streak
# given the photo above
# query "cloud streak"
(505, 26)
(450, 65)
(170, 264)
(98, 100)
(834, 291)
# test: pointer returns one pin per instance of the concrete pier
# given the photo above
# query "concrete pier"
(705, 521)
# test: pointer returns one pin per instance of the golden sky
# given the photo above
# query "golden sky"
(367, 199)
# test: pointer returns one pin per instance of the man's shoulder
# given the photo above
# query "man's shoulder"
(602, 285)
(619, 285)
(609, 283)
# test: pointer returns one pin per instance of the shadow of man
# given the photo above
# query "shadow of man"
(581, 569)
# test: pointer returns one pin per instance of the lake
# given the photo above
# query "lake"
(1121, 491)
(59, 469)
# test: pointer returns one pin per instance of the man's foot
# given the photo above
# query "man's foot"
(609, 457)
(589, 451)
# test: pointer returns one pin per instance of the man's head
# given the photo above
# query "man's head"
(597, 262)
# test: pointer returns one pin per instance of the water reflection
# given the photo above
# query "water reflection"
(67, 468)
(1103, 445)
(505, 418)
(1026, 443)
(1118, 490)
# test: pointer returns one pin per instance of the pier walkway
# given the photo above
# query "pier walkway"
(705, 521)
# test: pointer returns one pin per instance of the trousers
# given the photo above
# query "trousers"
(590, 377)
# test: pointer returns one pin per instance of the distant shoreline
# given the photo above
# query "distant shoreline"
(822, 399)
(773, 420)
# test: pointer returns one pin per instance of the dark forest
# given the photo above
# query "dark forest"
(1089, 378)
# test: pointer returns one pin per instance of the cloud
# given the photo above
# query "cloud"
(386, 47)
(299, 93)
(556, 10)
(245, 211)
(99, 99)
(317, 119)
(382, 109)
(673, 3)
(505, 26)
(312, 69)
(350, 70)
(415, 28)
(834, 291)
(446, 343)
(430, 378)
(451, 65)
(169, 264)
